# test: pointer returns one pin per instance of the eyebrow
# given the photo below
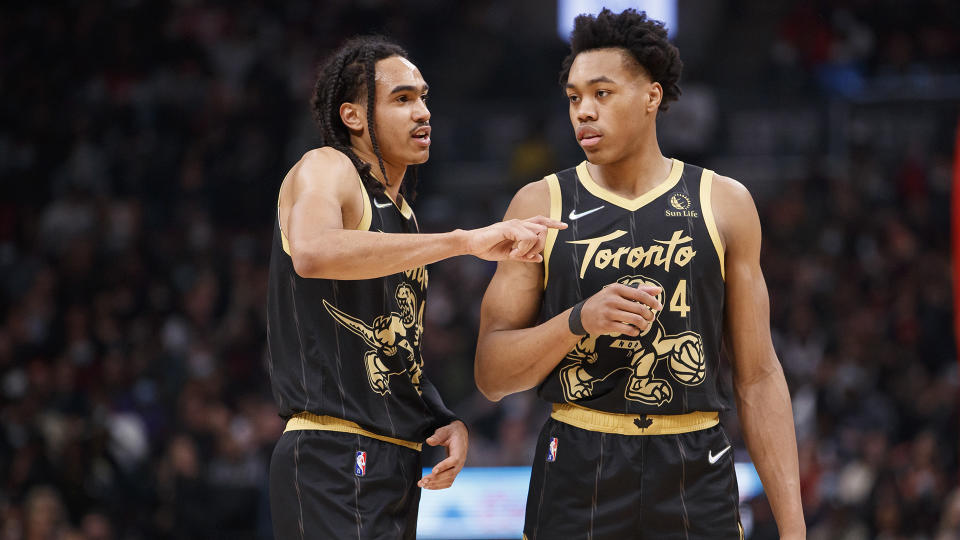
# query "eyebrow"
(595, 80)
(410, 88)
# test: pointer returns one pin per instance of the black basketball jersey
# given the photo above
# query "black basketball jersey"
(667, 238)
(351, 348)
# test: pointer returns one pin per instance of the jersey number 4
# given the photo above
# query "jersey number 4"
(678, 302)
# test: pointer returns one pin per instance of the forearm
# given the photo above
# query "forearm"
(510, 361)
(347, 254)
(766, 419)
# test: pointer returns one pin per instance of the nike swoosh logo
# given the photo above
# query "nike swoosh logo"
(575, 215)
(713, 458)
(384, 205)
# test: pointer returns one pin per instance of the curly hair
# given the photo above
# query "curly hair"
(349, 75)
(645, 39)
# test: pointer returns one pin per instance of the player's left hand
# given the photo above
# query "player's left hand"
(454, 437)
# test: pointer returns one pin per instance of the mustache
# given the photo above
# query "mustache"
(420, 125)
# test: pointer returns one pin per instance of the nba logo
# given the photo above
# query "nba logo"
(552, 449)
(360, 468)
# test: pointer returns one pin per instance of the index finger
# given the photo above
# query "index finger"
(444, 465)
(543, 220)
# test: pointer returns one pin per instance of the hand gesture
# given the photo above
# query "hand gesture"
(513, 240)
(454, 437)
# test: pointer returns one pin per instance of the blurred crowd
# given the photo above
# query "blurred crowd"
(141, 147)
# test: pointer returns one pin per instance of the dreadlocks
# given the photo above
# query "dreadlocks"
(349, 71)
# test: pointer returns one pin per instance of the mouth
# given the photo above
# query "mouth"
(421, 136)
(588, 136)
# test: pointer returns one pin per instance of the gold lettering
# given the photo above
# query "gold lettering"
(684, 255)
(671, 244)
(603, 258)
(592, 245)
(659, 259)
(630, 344)
(669, 252)
(617, 255)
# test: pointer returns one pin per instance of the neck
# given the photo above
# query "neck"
(642, 169)
(394, 172)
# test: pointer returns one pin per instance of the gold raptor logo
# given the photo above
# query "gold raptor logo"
(390, 335)
(683, 353)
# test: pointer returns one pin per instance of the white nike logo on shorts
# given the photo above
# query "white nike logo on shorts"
(713, 458)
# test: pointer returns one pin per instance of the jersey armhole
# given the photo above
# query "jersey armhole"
(553, 183)
(283, 237)
(706, 186)
(367, 215)
(365, 219)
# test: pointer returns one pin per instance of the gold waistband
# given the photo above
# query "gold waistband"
(306, 420)
(633, 424)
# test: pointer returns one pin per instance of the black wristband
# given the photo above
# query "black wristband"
(574, 322)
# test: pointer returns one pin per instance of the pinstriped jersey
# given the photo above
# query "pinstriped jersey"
(351, 348)
(666, 238)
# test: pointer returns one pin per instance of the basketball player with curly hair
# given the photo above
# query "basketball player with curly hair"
(345, 307)
(621, 325)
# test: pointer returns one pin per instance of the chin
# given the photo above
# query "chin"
(420, 157)
(597, 157)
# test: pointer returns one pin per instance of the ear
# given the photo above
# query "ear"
(654, 97)
(354, 116)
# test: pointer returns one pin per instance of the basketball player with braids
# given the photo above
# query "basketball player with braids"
(345, 308)
(621, 326)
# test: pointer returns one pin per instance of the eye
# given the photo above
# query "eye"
(573, 98)
(603, 93)
(424, 98)
(402, 99)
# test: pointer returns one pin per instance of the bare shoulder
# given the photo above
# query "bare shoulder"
(323, 178)
(733, 208)
(730, 192)
(531, 200)
(323, 166)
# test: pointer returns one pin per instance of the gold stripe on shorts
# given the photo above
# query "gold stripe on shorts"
(307, 420)
(633, 424)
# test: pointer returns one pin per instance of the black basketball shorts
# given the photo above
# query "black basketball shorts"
(616, 485)
(330, 484)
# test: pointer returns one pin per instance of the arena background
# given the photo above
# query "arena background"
(142, 145)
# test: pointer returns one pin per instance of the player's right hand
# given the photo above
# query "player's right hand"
(514, 240)
(620, 309)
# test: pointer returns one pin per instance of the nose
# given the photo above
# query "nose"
(586, 111)
(421, 113)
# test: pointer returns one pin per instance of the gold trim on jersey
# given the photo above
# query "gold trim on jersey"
(403, 207)
(556, 208)
(633, 424)
(364, 219)
(629, 204)
(706, 187)
(307, 420)
(367, 211)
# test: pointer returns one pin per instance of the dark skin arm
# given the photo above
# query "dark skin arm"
(513, 352)
(763, 400)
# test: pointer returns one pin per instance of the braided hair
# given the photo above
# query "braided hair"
(342, 78)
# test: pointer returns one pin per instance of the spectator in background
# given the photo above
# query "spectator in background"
(138, 141)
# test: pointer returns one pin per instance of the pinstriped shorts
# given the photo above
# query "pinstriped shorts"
(321, 488)
(598, 486)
